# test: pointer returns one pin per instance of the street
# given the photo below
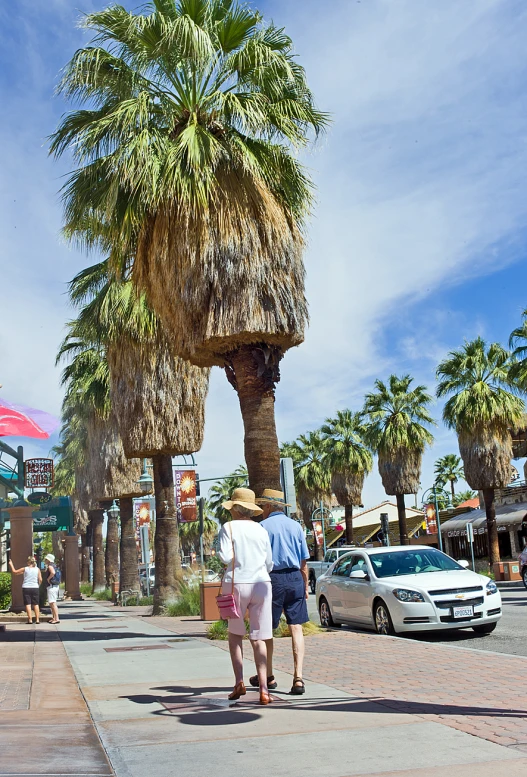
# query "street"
(510, 635)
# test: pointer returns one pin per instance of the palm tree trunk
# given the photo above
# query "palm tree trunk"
(492, 528)
(254, 372)
(85, 559)
(112, 550)
(128, 573)
(166, 540)
(452, 488)
(348, 517)
(97, 519)
(401, 511)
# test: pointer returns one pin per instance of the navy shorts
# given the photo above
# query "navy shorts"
(289, 597)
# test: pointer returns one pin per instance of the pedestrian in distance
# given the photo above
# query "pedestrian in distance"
(53, 577)
(289, 580)
(245, 549)
(30, 586)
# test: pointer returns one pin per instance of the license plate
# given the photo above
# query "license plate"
(463, 612)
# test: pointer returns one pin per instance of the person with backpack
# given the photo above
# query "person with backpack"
(53, 578)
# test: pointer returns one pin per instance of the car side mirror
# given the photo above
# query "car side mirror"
(358, 574)
(463, 563)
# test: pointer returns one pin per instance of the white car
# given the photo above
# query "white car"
(406, 589)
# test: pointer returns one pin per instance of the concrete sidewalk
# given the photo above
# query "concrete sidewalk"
(156, 691)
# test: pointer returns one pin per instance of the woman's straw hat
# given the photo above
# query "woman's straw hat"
(276, 497)
(245, 498)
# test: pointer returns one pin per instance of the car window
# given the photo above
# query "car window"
(331, 555)
(411, 562)
(343, 566)
(358, 564)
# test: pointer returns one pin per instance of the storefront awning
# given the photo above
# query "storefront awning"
(506, 515)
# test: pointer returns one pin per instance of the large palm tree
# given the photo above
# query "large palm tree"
(449, 469)
(349, 461)
(191, 112)
(159, 399)
(482, 408)
(397, 419)
(312, 477)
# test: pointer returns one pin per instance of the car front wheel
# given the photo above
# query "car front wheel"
(326, 619)
(313, 584)
(486, 628)
(383, 620)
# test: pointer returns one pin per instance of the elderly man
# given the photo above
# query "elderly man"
(289, 581)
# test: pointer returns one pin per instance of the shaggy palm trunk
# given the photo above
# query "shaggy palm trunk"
(112, 550)
(492, 528)
(254, 372)
(128, 573)
(85, 559)
(166, 540)
(348, 517)
(99, 581)
(401, 512)
(453, 490)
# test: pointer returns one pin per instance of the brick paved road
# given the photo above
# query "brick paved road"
(480, 693)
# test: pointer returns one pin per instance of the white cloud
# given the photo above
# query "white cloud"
(420, 182)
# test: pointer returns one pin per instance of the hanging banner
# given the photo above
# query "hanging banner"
(39, 473)
(185, 495)
(430, 518)
(317, 531)
(142, 517)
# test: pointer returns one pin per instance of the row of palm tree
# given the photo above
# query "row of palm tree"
(482, 385)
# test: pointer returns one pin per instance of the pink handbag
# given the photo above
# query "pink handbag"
(226, 602)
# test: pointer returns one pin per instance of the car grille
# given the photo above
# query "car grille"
(449, 591)
(448, 603)
(451, 619)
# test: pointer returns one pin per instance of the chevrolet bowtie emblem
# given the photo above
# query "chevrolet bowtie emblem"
(460, 596)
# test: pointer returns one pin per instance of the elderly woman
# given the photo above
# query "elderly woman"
(30, 587)
(246, 550)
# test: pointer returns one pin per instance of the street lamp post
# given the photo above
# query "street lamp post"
(435, 492)
(318, 514)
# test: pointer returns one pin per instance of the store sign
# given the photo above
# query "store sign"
(39, 473)
(430, 519)
(56, 515)
(185, 494)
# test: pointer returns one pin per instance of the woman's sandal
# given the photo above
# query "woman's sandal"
(271, 682)
(298, 690)
(53, 621)
(265, 698)
(239, 690)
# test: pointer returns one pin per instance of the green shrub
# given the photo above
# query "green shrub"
(103, 596)
(220, 630)
(308, 629)
(143, 601)
(5, 590)
(187, 602)
(86, 589)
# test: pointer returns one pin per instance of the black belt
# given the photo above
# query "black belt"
(283, 571)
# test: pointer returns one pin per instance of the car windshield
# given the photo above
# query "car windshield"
(411, 562)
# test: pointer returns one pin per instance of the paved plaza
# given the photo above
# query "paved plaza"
(110, 692)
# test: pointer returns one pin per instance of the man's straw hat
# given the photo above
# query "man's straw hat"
(276, 497)
(245, 498)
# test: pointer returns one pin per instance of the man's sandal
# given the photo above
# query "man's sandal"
(271, 682)
(298, 690)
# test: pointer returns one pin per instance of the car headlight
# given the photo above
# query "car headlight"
(405, 595)
(492, 588)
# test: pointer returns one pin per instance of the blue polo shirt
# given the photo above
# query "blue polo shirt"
(288, 542)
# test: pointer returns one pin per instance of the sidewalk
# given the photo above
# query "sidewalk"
(156, 691)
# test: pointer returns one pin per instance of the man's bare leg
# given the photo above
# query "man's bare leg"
(298, 648)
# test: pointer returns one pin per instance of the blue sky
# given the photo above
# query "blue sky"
(418, 238)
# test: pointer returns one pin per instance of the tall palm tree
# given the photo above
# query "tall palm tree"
(312, 477)
(221, 491)
(482, 407)
(191, 114)
(397, 418)
(190, 534)
(349, 461)
(159, 399)
(449, 469)
(464, 496)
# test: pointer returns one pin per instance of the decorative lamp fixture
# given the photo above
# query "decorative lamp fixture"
(114, 511)
(146, 481)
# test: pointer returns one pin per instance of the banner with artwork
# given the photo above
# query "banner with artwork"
(185, 495)
(431, 519)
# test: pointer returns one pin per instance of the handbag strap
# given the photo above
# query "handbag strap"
(233, 560)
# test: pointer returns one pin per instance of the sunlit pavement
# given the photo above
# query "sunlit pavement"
(156, 691)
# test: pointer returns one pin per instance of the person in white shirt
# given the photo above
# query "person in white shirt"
(30, 587)
(246, 550)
